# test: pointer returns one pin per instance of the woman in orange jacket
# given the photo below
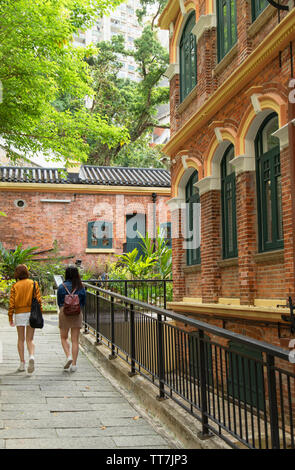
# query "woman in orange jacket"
(19, 314)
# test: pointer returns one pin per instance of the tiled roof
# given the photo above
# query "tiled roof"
(99, 175)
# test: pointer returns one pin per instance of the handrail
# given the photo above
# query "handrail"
(260, 345)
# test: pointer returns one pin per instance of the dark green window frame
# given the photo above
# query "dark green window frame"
(226, 26)
(257, 8)
(188, 58)
(166, 230)
(193, 255)
(228, 206)
(100, 235)
(269, 196)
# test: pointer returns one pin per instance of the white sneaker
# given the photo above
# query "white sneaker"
(68, 363)
(22, 367)
(74, 368)
(31, 366)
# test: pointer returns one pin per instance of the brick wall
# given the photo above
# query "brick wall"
(40, 223)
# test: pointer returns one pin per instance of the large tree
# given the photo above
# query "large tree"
(38, 65)
(128, 103)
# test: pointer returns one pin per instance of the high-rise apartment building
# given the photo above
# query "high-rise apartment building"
(122, 21)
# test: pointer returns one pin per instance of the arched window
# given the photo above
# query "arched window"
(192, 199)
(269, 186)
(226, 26)
(228, 204)
(188, 58)
(257, 7)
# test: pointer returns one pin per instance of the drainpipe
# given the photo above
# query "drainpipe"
(154, 199)
(291, 131)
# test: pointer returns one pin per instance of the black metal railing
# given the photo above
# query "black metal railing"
(152, 291)
(238, 388)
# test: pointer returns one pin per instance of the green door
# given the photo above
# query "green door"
(245, 375)
(135, 224)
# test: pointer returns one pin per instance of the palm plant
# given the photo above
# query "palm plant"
(9, 260)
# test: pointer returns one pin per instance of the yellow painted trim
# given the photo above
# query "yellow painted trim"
(190, 164)
(169, 14)
(266, 102)
(197, 300)
(267, 50)
(99, 250)
(228, 301)
(226, 135)
(190, 6)
(178, 27)
(208, 160)
(81, 188)
(269, 302)
(243, 312)
(210, 7)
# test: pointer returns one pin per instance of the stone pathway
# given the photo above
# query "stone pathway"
(53, 409)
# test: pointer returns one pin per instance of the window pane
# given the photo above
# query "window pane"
(227, 26)
(268, 211)
(268, 140)
(188, 58)
(279, 207)
(229, 222)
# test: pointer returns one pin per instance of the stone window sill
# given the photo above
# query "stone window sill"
(261, 20)
(192, 269)
(187, 100)
(100, 250)
(276, 256)
(224, 263)
(226, 61)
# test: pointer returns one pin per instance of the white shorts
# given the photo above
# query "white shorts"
(22, 319)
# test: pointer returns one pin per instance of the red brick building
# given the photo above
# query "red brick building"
(93, 214)
(232, 150)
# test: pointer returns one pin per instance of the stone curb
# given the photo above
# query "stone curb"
(179, 423)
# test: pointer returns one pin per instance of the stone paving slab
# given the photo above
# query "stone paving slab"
(54, 409)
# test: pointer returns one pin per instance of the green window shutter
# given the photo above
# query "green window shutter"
(193, 255)
(188, 58)
(269, 187)
(90, 238)
(228, 206)
(226, 26)
(166, 230)
(257, 8)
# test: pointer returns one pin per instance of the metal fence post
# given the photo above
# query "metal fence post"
(132, 341)
(98, 342)
(161, 359)
(204, 434)
(273, 404)
(85, 311)
(112, 312)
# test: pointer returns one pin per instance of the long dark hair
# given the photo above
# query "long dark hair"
(72, 274)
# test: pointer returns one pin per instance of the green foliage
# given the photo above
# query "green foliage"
(5, 286)
(160, 253)
(9, 260)
(140, 154)
(156, 263)
(139, 267)
(130, 105)
(39, 64)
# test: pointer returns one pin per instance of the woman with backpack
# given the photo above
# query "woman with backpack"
(71, 297)
(19, 311)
